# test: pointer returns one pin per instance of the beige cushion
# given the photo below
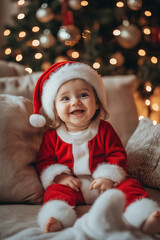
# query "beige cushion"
(19, 144)
(121, 104)
(11, 69)
(143, 150)
(19, 85)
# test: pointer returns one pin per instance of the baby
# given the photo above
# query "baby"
(81, 155)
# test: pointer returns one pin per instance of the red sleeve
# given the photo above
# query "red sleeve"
(46, 156)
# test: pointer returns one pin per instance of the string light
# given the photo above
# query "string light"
(147, 102)
(35, 42)
(155, 107)
(6, 32)
(19, 57)
(8, 51)
(154, 60)
(75, 54)
(22, 34)
(148, 13)
(38, 55)
(141, 52)
(35, 29)
(154, 122)
(147, 31)
(120, 4)
(96, 65)
(84, 3)
(21, 2)
(148, 88)
(113, 61)
(29, 70)
(20, 16)
(141, 117)
(116, 32)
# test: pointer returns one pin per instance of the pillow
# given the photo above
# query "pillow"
(11, 69)
(143, 150)
(121, 104)
(19, 144)
(19, 85)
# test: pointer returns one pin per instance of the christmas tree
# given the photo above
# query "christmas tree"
(114, 37)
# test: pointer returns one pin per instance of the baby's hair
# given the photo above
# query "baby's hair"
(100, 112)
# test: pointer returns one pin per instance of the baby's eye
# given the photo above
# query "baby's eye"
(84, 95)
(65, 99)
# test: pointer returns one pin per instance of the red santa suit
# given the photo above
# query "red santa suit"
(90, 154)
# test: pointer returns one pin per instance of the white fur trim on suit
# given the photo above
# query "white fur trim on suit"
(138, 211)
(66, 73)
(49, 173)
(110, 171)
(59, 210)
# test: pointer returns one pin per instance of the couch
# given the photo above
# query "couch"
(21, 192)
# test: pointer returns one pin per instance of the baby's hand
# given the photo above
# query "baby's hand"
(68, 180)
(102, 183)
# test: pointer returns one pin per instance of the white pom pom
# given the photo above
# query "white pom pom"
(37, 120)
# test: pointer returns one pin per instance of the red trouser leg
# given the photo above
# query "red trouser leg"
(62, 192)
(132, 189)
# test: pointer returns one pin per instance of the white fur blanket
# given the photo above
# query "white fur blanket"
(102, 222)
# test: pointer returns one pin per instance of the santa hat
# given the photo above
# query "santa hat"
(48, 84)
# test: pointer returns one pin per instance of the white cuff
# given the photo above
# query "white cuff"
(110, 171)
(59, 210)
(137, 212)
(51, 172)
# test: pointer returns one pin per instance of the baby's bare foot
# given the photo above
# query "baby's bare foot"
(52, 225)
(152, 224)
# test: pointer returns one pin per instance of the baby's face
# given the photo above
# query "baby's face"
(76, 104)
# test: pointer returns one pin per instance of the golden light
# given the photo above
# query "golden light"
(6, 32)
(19, 57)
(154, 122)
(140, 117)
(154, 60)
(21, 2)
(84, 3)
(147, 102)
(148, 13)
(75, 54)
(120, 4)
(155, 107)
(96, 65)
(116, 32)
(20, 16)
(35, 42)
(29, 70)
(38, 55)
(141, 52)
(147, 31)
(22, 34)
(8, 51)
(113, 61)
(148, 88)
(35, 29)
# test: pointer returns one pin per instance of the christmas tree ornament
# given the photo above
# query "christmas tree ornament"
(75, 4)
(134, 4)
(47, 39)
(69, 35)
(44, 14)
(156, 35)
(129, 36)
(119, 59)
